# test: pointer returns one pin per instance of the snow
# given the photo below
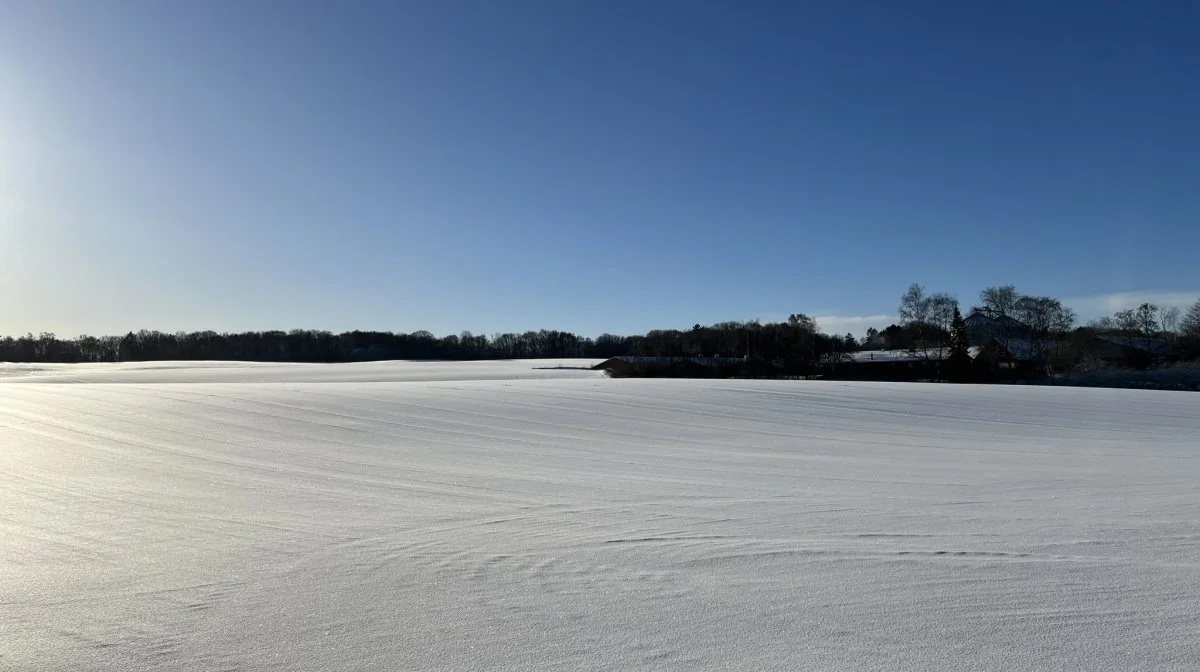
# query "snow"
(907, 355)
(492, 516)
(249, 372)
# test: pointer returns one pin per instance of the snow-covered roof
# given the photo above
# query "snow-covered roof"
(660, 361)
(906, 355)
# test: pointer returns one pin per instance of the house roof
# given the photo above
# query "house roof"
(979, 319)
(1024, 349)
(1154, 346)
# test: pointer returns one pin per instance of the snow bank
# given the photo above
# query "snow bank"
(592, 524)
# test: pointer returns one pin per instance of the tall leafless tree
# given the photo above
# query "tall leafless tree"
(1047, 318)
(999, 301)
(1147, 319)
(1189, 326)
(1126, 321)
(1168, 319)
(803, 322)
(914, 305)
(931, 315)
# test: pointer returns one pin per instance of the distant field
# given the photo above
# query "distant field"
(503, 516)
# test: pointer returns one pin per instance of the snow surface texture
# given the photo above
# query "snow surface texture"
(189, 519)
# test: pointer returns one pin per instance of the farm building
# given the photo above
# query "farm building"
(671, 367)
(1135, 351)
(983, 328)
(897, 364)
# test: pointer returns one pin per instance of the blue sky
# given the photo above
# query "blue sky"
(591, 166)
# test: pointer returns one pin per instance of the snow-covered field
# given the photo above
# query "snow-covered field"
(490, 516)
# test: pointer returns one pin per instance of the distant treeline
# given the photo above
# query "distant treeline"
(794, 339)
(929, 323)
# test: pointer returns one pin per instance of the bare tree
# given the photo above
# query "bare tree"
(1189, 326)
(931, 315)
(1126, 320)
(1047, 318)
(832, 359)
(941, 310)
(1168, 319)
(1147, 319)
(1044, 314)
(914, 305)
(803, 322)
(998, 301)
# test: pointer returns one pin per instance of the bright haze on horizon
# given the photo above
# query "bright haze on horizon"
(590, 166)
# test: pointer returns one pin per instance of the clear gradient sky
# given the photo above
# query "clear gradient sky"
(587, 165)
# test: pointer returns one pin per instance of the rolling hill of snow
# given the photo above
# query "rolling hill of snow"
(494, 516)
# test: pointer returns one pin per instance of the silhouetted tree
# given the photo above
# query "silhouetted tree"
(1048, 321)
(958, 364)
(958, 334)
(1189, 326)
(930, 316)
(1168, 319)
(999, 301)
(1126, 322)
(802, 321)
(1147, 319)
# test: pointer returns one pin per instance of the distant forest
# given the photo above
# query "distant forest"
(784, 340)
(927, 321)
